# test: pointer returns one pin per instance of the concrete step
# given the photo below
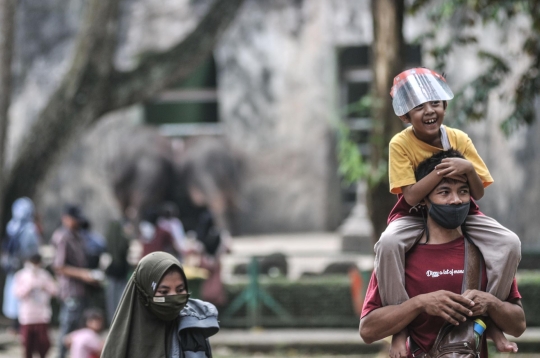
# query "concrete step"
(335, 341)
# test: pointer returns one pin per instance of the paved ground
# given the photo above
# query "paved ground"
(296, 343)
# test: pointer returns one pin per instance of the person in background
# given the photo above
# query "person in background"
(34, 287)
(117, 271)
(87, 342)
(94, 243)
(70, 265)
(23, 240)
(215, 242)
(169, 222)
(153, 237)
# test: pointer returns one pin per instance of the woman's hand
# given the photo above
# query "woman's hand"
(452, 307)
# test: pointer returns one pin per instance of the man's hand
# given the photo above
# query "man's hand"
(452, 307)
(482, 301)
(454, 168)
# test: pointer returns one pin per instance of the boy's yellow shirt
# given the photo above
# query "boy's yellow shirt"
(407, 151)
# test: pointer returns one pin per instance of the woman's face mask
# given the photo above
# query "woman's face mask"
(449, 216)
(170, 296)
(167, 308)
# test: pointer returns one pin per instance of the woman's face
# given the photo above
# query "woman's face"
(172, 283)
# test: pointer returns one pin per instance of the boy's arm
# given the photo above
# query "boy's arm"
(416, 192)
(453, 167)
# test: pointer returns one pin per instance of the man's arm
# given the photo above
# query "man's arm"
(388, 320)
(78, 273)
(507, 315)
(60, 265)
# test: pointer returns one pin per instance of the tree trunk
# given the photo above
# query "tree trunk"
(387, 60)
(92, 87)
(7, 20)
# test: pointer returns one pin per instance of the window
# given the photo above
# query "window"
(190, 107)
(355, 80)
(355, 75)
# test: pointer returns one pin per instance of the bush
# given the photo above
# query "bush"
(325, 301)
(529, 287)
(313, 301)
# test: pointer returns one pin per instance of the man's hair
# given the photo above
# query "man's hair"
(427, 166)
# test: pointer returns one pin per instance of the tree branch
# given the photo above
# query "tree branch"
(159, 70)
(92, 88)
(387, 61)
(80, 98)
(7, 21)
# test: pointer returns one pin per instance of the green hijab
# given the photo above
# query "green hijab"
(135, 331)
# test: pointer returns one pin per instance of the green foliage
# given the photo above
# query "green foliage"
(323, 301)
(471, 102)
(352, 165)
(529, 287)
(463, 16)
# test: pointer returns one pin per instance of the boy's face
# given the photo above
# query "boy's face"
(426, 120)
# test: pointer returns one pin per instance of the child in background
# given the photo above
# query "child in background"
(420, 98)
(34, 287)
(86, 342)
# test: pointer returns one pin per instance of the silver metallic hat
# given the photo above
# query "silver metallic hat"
(416, 86)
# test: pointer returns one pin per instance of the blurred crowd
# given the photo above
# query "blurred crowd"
(86, 272)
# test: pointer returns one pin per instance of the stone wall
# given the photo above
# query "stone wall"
(278, 92)
(278, 87)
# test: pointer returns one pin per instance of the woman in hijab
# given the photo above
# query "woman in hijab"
(22, 243)
(156, 318)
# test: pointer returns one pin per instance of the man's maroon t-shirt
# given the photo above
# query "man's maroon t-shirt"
(402, 208)
(430, 268)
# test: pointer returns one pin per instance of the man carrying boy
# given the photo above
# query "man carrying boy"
(420, 98)
(436, 298)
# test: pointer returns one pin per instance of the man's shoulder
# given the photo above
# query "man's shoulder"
(60, 235)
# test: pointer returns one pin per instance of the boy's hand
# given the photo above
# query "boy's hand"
(455, 168)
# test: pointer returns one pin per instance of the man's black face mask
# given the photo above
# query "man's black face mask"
(449, 216)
